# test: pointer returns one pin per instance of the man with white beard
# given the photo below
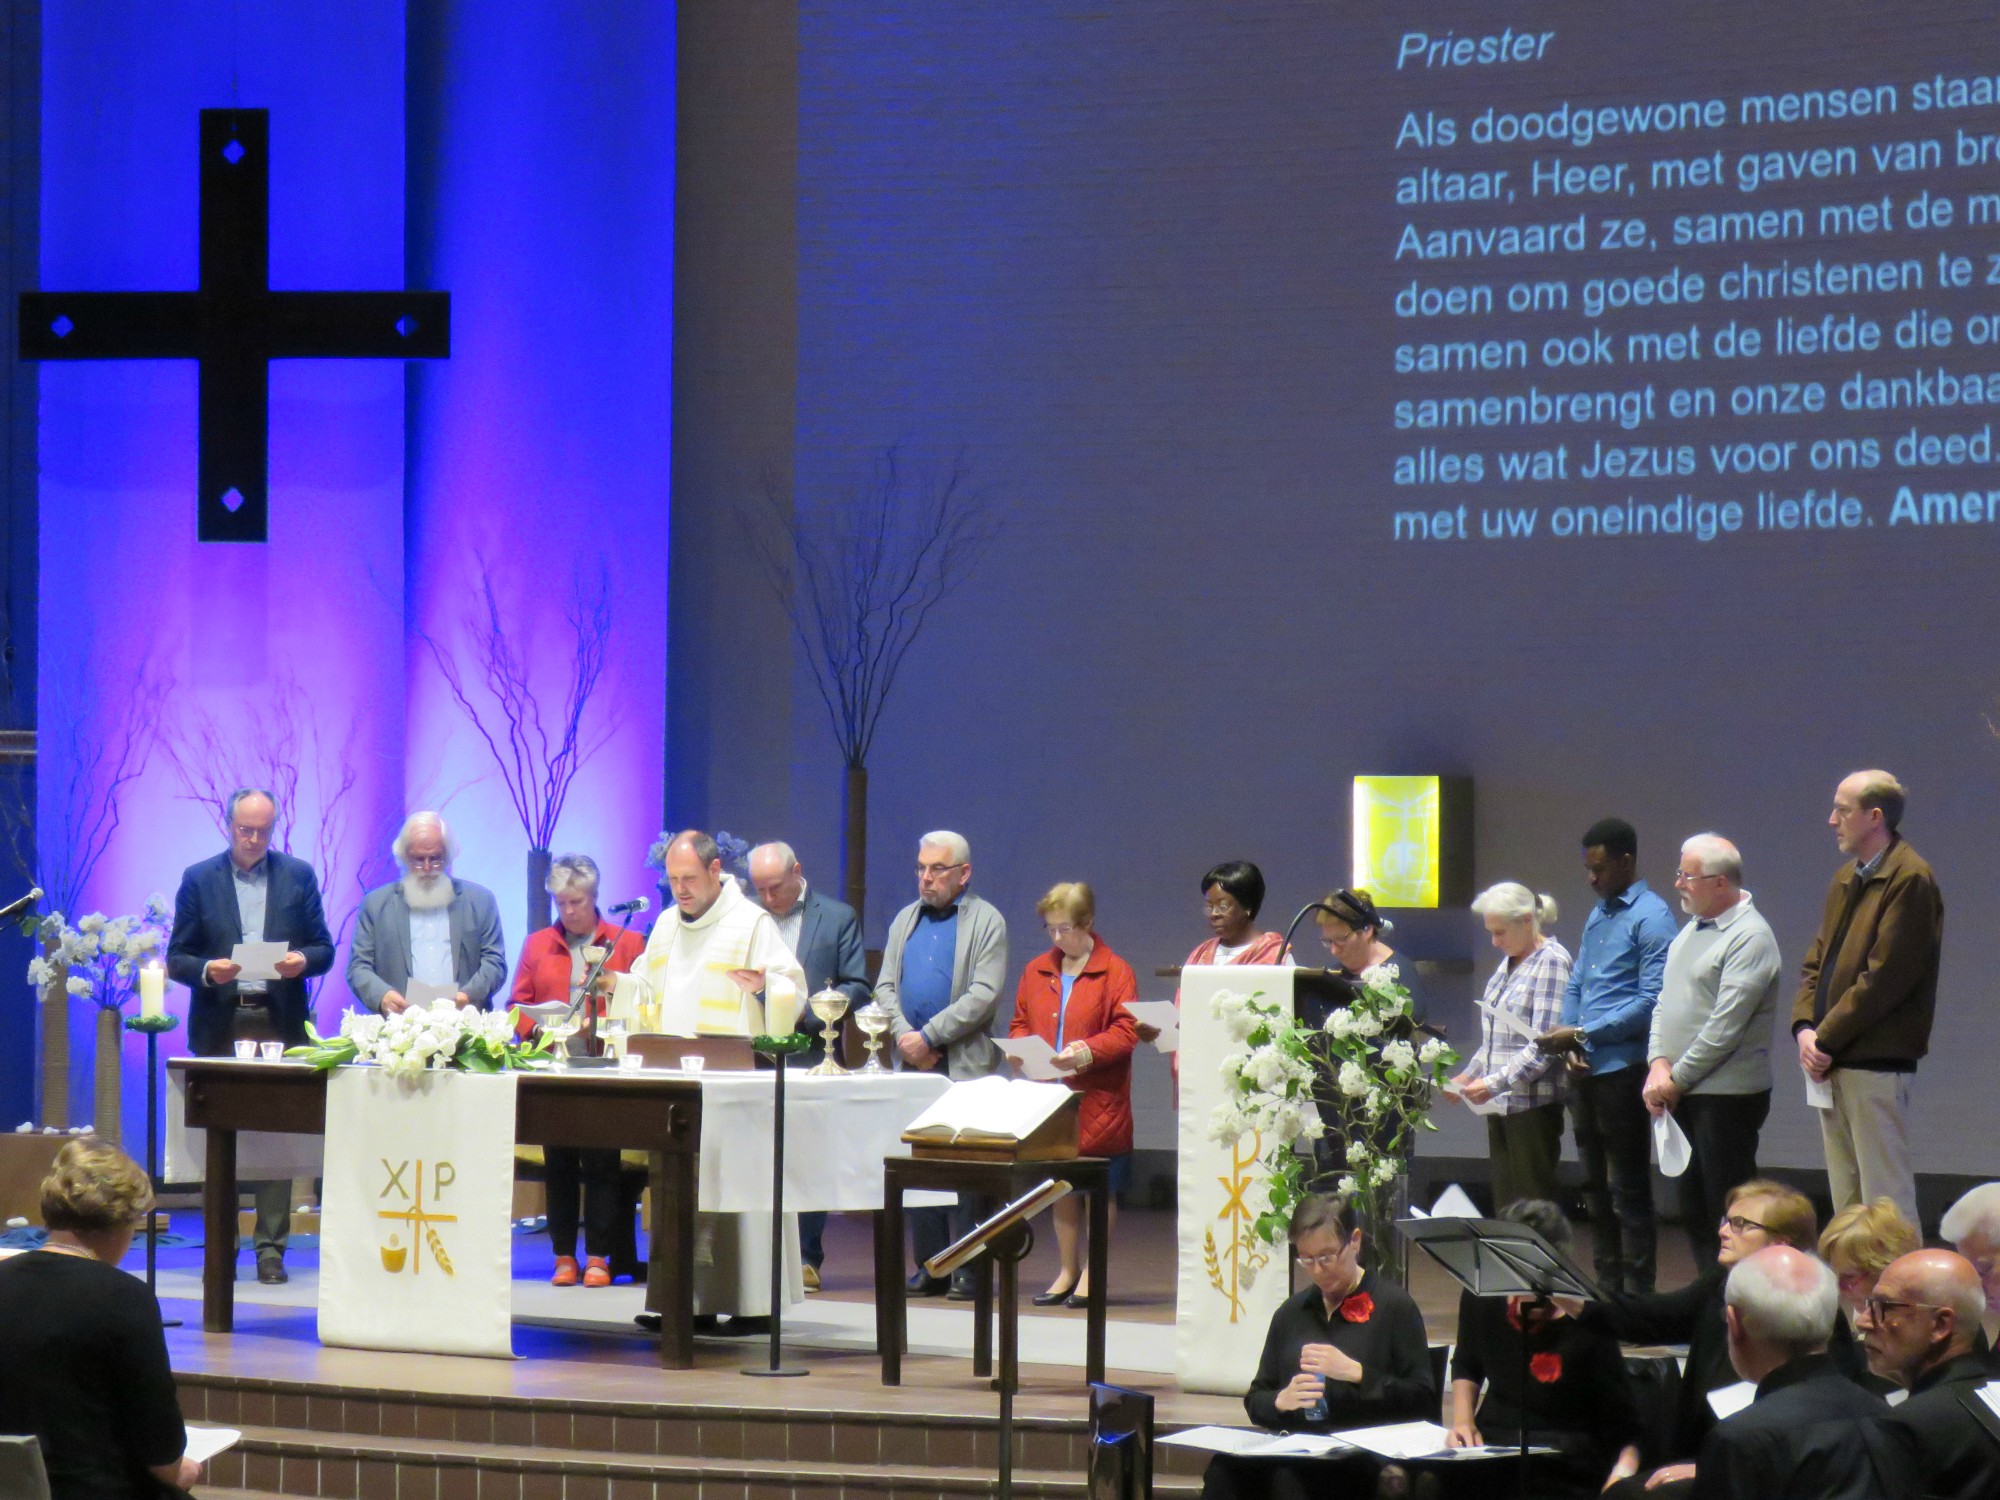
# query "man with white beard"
(713, 962)
(428, 927)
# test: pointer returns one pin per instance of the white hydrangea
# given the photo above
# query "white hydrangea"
(79, 986)
(1384, 1172)
(94, 923)
(1226, 1125)
(1400, 1054)
(1353, 1080)
(1431, 1051)
(1348, 1186)
(39, 971)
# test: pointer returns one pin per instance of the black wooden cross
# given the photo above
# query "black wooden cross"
(235, 325)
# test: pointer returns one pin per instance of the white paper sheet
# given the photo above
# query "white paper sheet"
(1819, 1093)
(1726, 1401)
(1399, 1439)
(1453, 1203)
(421, 992)
(1036, 1055)
(1505, 1019)
(1254, 1442)
(258, 960)
(1161, 1013)
(1670, 1145)
(1990, 1394)
(1493, 1104)
(203, 1443)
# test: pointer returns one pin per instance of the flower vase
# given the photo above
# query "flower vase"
(110, 1063)
(1388, 1251)
(55, 1046)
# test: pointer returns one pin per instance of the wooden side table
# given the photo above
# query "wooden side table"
(992, 1184)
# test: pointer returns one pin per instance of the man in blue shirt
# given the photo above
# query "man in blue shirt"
(1607, 1017)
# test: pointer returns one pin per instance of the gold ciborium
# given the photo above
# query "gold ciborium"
(829, 1005)
(874, 1023)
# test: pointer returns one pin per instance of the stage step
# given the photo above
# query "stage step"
(307, 1441)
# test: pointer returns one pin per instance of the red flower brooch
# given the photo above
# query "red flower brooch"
(1358, 1309)
(1547, 1368)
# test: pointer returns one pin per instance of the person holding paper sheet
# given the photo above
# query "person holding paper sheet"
(553, 964)
(1606, 1015)
(1867, 993)
(1524, 1139)
(428, 933)
(1231, 896)
(250, 893)
(1073, 997)
(943, 966)
(1577, 1397)
(83, 1362)
(1810, 1433)
(1922, 1330)
(1710, 1044)
(1354, 934)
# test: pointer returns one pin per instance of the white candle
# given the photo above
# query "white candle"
(781, 1010)
(152, 990)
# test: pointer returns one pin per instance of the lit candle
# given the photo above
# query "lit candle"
(152, 990)
(781, 1010)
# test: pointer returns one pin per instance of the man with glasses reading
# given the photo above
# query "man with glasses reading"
(942, 968)
(250, 893)
(1921, 1329)
(1710, 1047)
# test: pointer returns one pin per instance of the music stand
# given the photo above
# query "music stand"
(1499, 1258)
(1009, 1236)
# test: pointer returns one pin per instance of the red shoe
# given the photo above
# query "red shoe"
(595, 1271)
(565, 1271)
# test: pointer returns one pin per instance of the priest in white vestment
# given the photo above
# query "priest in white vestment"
(714, 959)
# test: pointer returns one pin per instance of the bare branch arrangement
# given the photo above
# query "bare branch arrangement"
(858, 575)
(101, 759)
(499, 695)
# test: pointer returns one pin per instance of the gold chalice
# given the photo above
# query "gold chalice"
(829, 1005)
(874, 1023)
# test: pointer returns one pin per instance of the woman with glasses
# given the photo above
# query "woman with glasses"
(1073, 997)
(1523, 1000)
(1231, 896)
(1353, 931)
(1348, 1351)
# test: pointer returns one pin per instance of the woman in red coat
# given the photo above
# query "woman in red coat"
(552, 967)
(1073, 997)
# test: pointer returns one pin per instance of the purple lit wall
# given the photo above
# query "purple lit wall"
(314, 615)
(542, 151)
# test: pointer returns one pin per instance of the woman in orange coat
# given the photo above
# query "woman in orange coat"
(1073, 997)
(552, 967)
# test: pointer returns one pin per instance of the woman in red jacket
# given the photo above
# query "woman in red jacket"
(1073, 997)
(553, 964)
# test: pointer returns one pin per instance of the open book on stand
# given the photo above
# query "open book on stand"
(999, 1119)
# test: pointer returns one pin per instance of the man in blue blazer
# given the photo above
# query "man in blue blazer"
(427, 926)
(250, 893)
(825, 937)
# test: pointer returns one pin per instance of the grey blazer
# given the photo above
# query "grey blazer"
(380, 959)
(962, 1031)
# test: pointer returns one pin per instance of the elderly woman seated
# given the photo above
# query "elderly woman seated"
(83, 1364)
(554, 964)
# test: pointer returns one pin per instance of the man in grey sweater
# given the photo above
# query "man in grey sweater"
(943, 967)
(1710, 1048)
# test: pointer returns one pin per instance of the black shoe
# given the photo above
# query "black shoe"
(1076, 1299)
(923, 1284)
(963, 1289)
(741, 1327)
(271, 1269)
(1050, 1299)
(649, 1321)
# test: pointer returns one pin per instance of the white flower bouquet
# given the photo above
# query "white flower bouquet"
(1366, 1068)
(101, 955)
(442, 1035)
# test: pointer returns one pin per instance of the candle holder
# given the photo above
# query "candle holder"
(829, 1005)
(874, 1023)
(153, 1028)
(778, 1049)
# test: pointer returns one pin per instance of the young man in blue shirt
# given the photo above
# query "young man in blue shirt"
(1607, 1015)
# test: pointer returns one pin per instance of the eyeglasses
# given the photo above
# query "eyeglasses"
(1879, 1308)
(1737, 1224)
(1681, 877)
(1319, 1262)
(939, 869)
(426, 861)
(1220, 908)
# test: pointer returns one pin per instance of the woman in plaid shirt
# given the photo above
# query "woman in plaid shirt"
(1520, 1086)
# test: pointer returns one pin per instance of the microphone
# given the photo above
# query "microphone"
(15, 908)
(636, 905)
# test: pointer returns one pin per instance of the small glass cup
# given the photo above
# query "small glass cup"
(246, 1050)
(272, 1051)
(612, 1033)
(630, 1062)
(694, 1062)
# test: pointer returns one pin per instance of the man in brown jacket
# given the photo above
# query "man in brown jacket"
(1867, 992)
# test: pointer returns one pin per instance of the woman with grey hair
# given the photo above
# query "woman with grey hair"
(553, 964)
(1516, 1086)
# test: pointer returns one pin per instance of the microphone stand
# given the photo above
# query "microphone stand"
(590, 979)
